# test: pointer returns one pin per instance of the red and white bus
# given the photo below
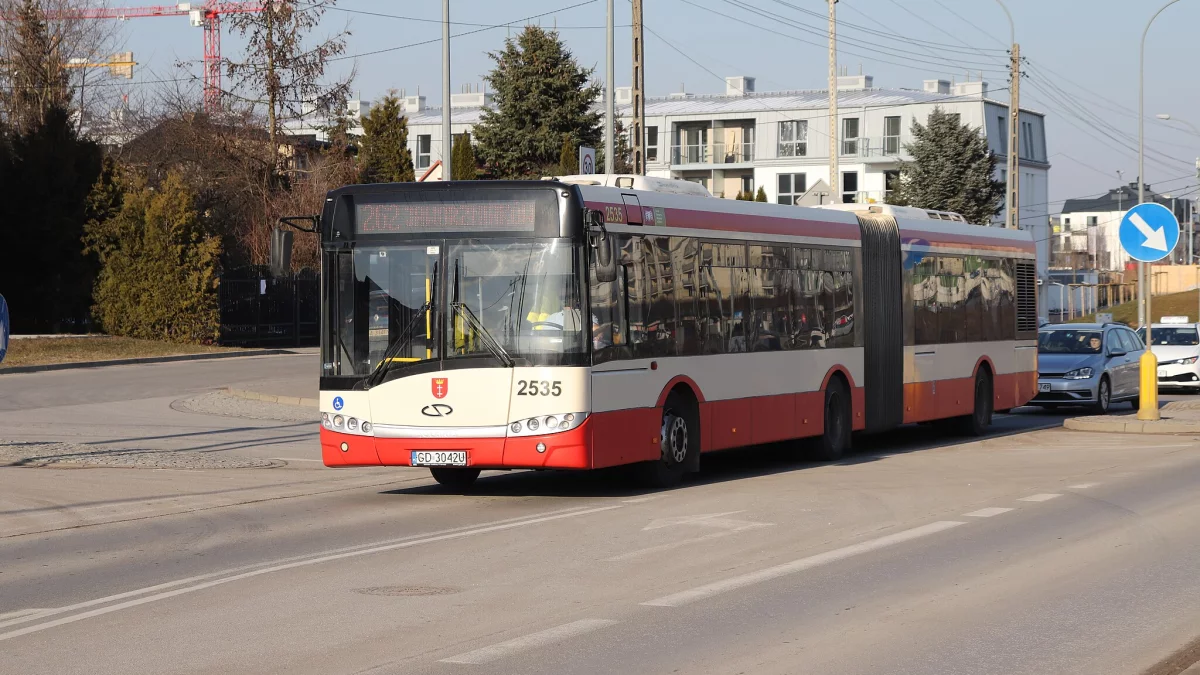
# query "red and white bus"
(557, 324)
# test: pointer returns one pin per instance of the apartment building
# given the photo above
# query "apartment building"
(744, 139)
(1086, 235)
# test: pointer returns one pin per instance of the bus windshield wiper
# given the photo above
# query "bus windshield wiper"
(485, 336)
(387, 360)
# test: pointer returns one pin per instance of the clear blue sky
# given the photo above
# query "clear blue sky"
(1082, 59)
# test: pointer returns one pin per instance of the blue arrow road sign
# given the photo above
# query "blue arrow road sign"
(4, 328)
(1149, 232)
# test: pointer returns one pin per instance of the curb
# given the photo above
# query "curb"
(1131, 425)
(153, 359)
(272, 398)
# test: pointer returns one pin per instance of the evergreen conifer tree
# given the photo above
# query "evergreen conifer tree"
(761, 196)
(463, 153)
(568, 158)
(383, 154)
(952, 169)
(541, 94)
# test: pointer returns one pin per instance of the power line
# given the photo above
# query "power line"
(885, 34)
(463, 34)
(439, 21)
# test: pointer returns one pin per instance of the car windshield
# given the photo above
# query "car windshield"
(1069, 341)
(1172, 337)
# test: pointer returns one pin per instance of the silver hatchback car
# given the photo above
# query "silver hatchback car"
(1087, 364)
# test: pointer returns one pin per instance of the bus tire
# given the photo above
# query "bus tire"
(977, 423)
(679, 444)
(453, 477)
(835, 436)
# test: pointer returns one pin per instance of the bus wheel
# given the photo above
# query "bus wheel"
(835, 440)
(454, 478)
(679, 439)
(977, 423)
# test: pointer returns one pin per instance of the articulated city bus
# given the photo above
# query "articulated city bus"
(555, 324)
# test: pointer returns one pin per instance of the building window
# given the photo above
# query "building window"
(891, 180)
(891, 135)
(849, 187)
(748, 185)
(850, 136)
(793, 138)
(792, 187)
(1002, 125)
(651, 144)
(1027, 140)
(424, 146)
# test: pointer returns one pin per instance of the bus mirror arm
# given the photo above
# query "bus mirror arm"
(606, 269)
(294, 222)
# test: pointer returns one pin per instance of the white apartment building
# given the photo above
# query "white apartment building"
(743, 139)
(1088, 229)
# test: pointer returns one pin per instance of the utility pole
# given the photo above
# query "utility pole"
(1014, 138)
(447, 135)
(610, 115)
(639, 91)
(834, 177)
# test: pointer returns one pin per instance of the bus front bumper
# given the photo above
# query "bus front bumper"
(563, 450)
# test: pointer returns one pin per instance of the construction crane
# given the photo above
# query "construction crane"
(206, 15)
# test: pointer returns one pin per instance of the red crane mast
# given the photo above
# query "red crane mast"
(206, 15)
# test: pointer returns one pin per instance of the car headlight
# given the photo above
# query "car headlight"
(1079, 374)
(1188, 361)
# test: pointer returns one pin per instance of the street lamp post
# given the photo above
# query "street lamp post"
(1190, 216)
(1148, 408)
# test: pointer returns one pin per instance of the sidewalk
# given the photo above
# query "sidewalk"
(1178, 417)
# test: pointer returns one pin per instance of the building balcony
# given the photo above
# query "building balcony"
(714, 154)
(879, 149)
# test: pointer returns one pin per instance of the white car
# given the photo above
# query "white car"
(1177, 347)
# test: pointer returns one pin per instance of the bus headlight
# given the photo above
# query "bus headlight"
(352, 424)
(338, 421)
(325, 421)
(366, 427)
(549, 424)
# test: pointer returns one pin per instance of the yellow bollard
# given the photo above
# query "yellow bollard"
(1148, 402)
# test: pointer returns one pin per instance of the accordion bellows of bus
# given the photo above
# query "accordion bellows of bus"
(576, 324)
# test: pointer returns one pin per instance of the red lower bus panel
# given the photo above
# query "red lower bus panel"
(773, 418)
(810, 414)
(731, 423)
(360, 449)
(858, 399)
(565, 450)
(625, 436)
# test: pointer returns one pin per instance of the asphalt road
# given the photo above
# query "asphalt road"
(1031, 551)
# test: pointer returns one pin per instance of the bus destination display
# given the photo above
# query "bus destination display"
(435, 216)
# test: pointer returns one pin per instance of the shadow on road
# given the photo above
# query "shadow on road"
(738, 464)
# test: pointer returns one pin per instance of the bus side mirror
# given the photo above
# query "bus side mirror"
(606, 267)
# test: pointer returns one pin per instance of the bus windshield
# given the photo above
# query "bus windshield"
(516, 303)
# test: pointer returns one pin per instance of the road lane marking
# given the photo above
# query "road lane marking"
(667, 547)
(1044, 497)
(30, 613)
(734, 583)
(987, 513)
(1083, 486)
(639, 500)
(228, 576)
(296, 459)
(532, 641)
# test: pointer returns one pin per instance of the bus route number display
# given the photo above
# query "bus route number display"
(474, 216)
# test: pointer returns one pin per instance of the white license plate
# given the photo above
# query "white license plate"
(1044, 387)
(1162, 373)
(439, 458)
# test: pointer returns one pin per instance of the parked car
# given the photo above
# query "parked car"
(1177, 346)
(1087, 364)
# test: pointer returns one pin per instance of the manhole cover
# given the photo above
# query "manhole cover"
(396, 591)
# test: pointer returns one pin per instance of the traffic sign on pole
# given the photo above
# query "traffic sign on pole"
(587, 161)
(1149, 232)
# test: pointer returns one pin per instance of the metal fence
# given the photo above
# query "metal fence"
(283, 312)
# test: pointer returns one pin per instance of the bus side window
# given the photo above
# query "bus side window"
(608, 313)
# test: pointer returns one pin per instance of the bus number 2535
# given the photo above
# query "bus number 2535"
(539, 388)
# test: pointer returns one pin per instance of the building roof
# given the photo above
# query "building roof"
(1120, 199)
(808, 99)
